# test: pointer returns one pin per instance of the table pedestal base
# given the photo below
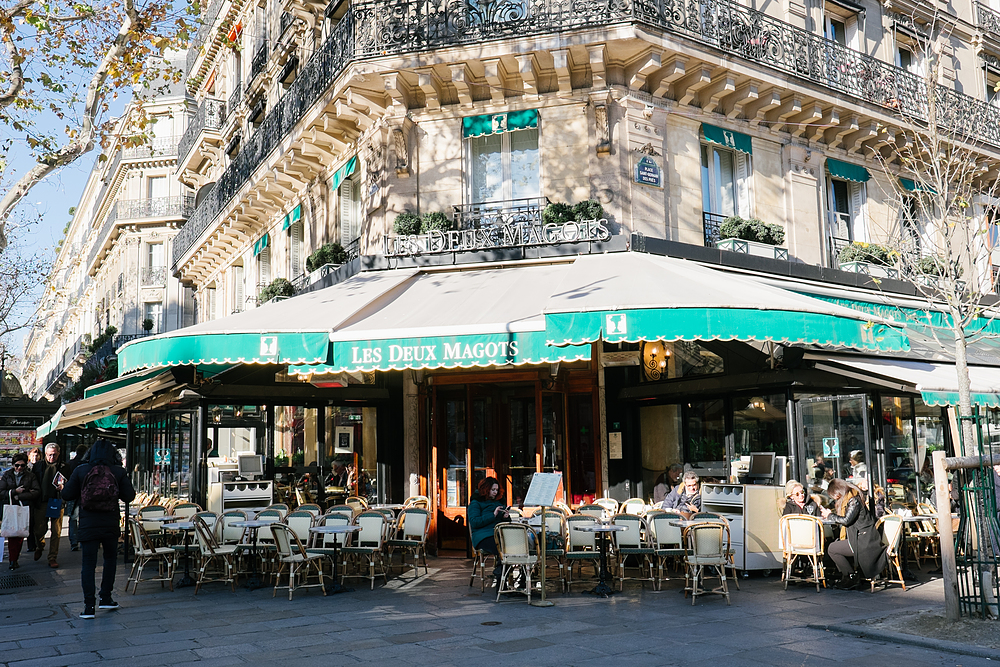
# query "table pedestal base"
(185, 581)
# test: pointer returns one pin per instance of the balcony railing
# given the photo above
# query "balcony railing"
(836, 245)
(712, 223)
(495, 214)
(234, 99)
(287, 19)
(106, 228)
(258, 63)
(159, 147)
(988, 18)
(156, 207)
(372, 29)
(153, 275)
(211, 115)
(201, 36)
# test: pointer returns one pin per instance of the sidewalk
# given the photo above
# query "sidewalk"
(440, 620)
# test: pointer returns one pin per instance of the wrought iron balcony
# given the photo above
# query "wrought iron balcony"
(156, 207)
(211, 115)
(158, 147)
(988, 18)
(258, 63)
(495, 214)
(836, 245)
(234, 99)
(372, 30)
(287, 19)
(153, 276)
(712, 223)
(201, 36)
(102, 237)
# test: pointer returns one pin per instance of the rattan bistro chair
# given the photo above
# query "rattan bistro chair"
(366, 546)
(892, 534)
(629, 543)
(667, 540)
(410, 537)
(479, 560)
(581, 546)
(294, 560)
(706, 553)
(222, 556)
(802, 537)
(146, 552)
(515, 556)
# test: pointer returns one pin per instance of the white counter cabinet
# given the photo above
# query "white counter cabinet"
(753, 512)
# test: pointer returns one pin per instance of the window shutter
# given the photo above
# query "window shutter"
(212, 306)
(346, 213)
(238, 287)
(859, 220)
(744, 171)
(295, 256)
(264, 266)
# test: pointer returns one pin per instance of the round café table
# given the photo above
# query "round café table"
(602, 530)
(335, 529)
(254, 582)
(187, 527)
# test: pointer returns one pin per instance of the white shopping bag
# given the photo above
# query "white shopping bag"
(16, 519)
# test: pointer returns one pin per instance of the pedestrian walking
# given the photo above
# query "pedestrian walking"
(50, 512)
(18, 486)
(98, 483)
(72, 509)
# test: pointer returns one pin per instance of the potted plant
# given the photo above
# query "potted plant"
(869, 259)
(752, 237)
(279, 287)
(147, 324)
(932, 271)
(407, 224)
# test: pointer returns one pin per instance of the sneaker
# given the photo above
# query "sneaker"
(88, 611)
(108, 604)
(74, 547)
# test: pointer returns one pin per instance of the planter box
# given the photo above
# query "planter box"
(869, 269)
(753, 248)
(934, 281)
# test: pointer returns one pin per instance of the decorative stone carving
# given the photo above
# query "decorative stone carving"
(402, 157)
(603, 128)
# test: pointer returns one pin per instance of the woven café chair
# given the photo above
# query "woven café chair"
(300, 521)
(410, 537)
(423, 502)
(479, 561)
(515, 556)
(629, 543)
(706, 553)
(667, 540)
(802, 537)
(581, 547)
(154, 529)
(294, 560)
(892, 533)
(610, 505)
(282, 508)
(366, 546)
(312, 508)
(357, 503)
(222, 556)
(555, 526)
(345, 510)
(635, 506)
(186, 510)
(329, 544)
(146, 552)
(596, 511)
(730, 553)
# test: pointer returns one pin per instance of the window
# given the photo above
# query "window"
(236, 276)
(211, 301)
(846, 206)
(909, 54)
(264, 267)
(153, 310)
(503, 166)
(154, 255)
(157, 187)
(349, 193)
(295, 264)
(992, 78)
(725, 181)
(841, 24)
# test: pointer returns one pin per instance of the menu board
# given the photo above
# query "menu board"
(542, 491)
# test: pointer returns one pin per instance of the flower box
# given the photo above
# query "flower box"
(869, 269)
(754, 248)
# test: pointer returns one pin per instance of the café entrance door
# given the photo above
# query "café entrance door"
(830, 428)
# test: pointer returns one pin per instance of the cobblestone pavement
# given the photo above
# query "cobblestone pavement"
(440, 620)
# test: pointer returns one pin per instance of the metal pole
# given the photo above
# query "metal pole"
(543, 602)
(946, 535)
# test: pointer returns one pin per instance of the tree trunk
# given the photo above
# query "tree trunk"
(968, 429)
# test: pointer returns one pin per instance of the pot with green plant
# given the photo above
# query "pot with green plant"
(752, 237)
(869, 259)
(147, 324)
(278, 288)
(324, 260)
(933, 272)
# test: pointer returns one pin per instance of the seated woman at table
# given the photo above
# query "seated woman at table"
(686, 498)
(485, 511)
(797, 501)
(860, 537)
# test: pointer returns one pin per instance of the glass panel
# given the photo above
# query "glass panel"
(931, 428)
(582, 462)
(456, 491)
(706, 448)
(706, 179)
(841, 197)
(482, 429)
(162, 444)
(725, 162)
(347, 435)
(487, 168)
(552, 433)
(524, 164)
(760, 425)
(897, 435)
(831, 430)
(523, 446)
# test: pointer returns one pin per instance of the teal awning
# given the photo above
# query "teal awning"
(292, 218)
(344, 173)
(498, 123)
(260, 244)
(912, 186)
(230, 348)
(52, 424)
(728, 138)
(119, 383)
(847, 171)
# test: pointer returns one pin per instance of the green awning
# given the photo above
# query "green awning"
(498, 123)
(947, 398)
(728, 138)
(260, 244)
(226, 348)
(292, 218)
(344, 173)
(118, 383)
(912, 186)
(52, 424)
(847, 171)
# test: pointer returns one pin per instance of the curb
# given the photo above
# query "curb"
(911, 640)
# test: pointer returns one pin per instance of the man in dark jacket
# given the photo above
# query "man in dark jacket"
(71, 508)
(99, 528)
(50, 472)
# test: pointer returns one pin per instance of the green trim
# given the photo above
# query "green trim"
(498, 123)
(120, 382)
(344, 173)
(260, 244)
(847, 171)
(721, 324)
(911, 186)
(309, 347)
(946, 398)
(728, 138)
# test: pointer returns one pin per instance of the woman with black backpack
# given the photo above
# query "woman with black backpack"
(98, 483)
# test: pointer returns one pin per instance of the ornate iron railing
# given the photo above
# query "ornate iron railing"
(988, 18)
(159, 147)
(836, 245)
(153, 275)
(711, 224)
(372, 29)
(495, 214)
(156, 207)
(234, 99)
(102, 237)
(211, 115)
(201, 36)
(258, 63)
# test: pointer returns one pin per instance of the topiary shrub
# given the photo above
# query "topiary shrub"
(278, 287)
(735, 227)
(588, 210)
(935, 267)
(434, 222)
(867, 252)
(329, 253)
(147, 324)
(557, 213)
(407, 224)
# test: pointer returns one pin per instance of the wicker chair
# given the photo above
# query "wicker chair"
(294, 560)
(667, 541)
(892, 534)
(223, 556)
(515, 556)
(410, 537)
(146, 552)
(706, 552)
(581, 547)
(802, 537)
(629, 543)
(367, 545)
(480, 558)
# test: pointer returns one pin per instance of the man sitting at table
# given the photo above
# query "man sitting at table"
(687, 497)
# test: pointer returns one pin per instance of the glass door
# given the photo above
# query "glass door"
(833, 438)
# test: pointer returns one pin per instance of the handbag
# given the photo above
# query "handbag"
(16, 519)
(54, 508)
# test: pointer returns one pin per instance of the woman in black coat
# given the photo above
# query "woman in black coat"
(18, 485)
(861, 536)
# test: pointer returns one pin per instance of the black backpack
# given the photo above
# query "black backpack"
(100, 490)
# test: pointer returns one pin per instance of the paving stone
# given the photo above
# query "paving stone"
(148, 649)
